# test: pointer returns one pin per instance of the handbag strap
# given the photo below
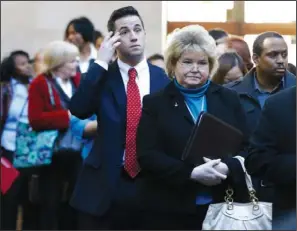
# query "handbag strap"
(50, 88)
(248, 178)
(23, 108)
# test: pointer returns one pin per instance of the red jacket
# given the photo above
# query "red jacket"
(42, 115)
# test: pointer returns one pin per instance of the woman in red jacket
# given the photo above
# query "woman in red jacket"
(55, 181)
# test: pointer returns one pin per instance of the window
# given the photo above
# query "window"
(290, 40)
(270, 11)
(198, 11)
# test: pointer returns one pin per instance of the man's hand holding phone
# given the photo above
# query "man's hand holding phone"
(108, 46)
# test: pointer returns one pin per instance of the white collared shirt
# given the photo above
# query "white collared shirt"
(84, 65)
(142, 79)
(66, 86)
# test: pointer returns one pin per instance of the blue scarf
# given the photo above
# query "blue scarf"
(194, 98)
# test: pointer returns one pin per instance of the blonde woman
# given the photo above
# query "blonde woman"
(61, 75)
(176, 195)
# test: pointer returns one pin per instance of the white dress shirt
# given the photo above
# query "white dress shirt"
(66, 86)
(84, 65)
(142, 79)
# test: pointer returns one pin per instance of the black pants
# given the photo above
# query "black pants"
(90, 222)
(17, 195)
(156, 220)
(55, 185)
(124, 213)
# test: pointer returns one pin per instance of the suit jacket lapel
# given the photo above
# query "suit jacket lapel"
(118, 88)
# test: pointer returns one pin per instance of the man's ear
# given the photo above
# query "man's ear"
(255, 58)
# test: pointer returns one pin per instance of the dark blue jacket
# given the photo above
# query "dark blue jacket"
(248, 96)
(102, 92)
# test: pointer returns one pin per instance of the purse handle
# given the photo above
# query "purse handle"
(249, 184)
(248, 179)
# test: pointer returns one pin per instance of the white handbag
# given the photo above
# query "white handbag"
(230, 215)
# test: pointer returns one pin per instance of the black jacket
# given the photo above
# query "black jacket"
(273, 147)
(163, 132)
(248, 95)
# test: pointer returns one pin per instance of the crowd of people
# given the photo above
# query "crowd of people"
(127, 118)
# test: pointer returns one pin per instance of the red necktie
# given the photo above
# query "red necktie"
(133, 115)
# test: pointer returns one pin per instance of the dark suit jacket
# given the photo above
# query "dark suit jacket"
(162, 136)
(248, 97)
(102, 93)
(273, 147)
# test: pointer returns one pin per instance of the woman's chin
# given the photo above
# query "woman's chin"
(194, 83)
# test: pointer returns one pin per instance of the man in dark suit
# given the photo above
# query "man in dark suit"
(270, 55)
(273, 155)
(106, 188)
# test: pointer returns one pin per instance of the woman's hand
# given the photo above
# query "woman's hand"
(206, 173)
(221, 167)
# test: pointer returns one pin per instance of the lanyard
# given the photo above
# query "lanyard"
(201, 110)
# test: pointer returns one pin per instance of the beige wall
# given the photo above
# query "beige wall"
(29, 25)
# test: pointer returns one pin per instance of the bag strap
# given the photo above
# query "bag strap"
(50, 88)
(248, 178)
(23, 108)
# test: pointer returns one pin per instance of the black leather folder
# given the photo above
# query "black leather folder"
(212, 138)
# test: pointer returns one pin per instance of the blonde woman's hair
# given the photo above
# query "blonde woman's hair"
(57, 53)
(189, 38)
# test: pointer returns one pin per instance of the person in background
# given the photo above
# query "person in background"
(80, 32)
(231, 68)
(269, 76)
(220, 36)
(16, 74)
(292, 68)
(98, 39)
(157, 59)
(106, 192)
(272, 155)
(175, 194)
(238, 44)
(56, 181)
(86, 129)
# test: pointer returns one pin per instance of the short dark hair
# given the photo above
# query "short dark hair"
(7, 68)
(83, 26)
(217, 33)
(121, 13)
(258, 43)
(155, 57)
(292, 68)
